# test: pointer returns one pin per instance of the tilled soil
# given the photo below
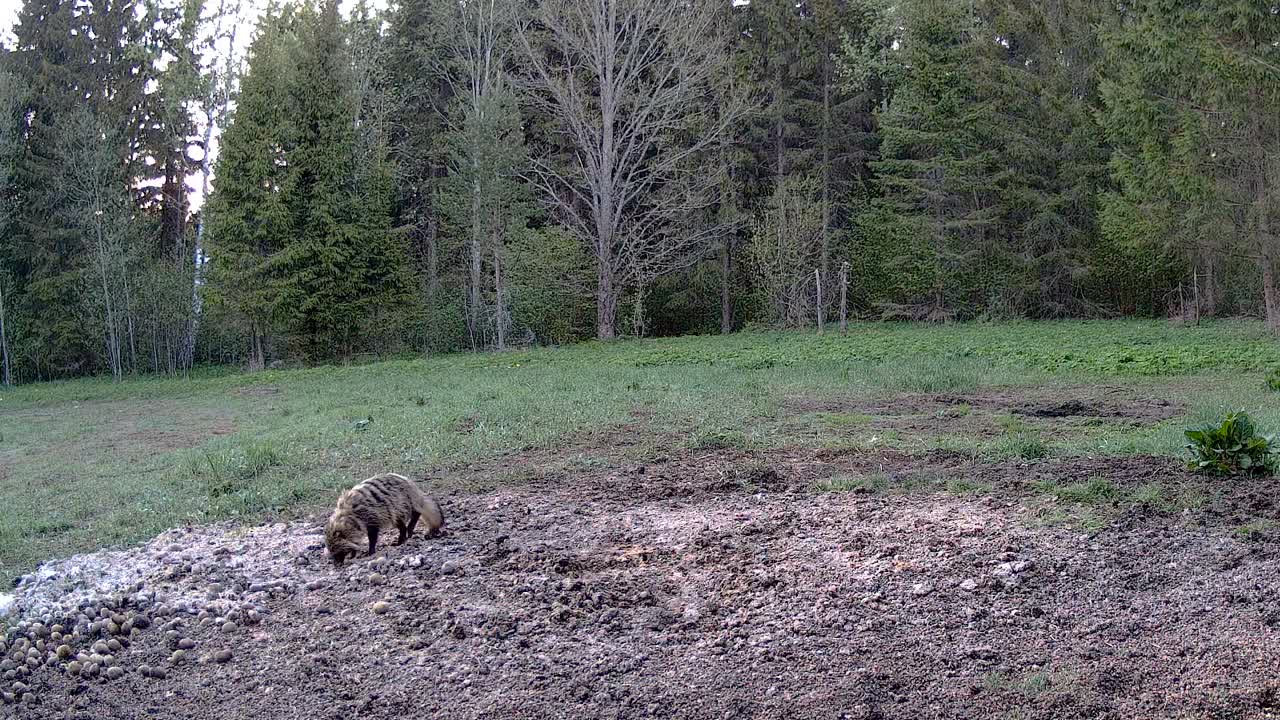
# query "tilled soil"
(711, 585)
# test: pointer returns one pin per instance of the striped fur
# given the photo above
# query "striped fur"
(382, 501)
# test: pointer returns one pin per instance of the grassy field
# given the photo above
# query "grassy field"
(90, 463)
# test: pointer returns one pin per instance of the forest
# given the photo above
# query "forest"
(187, 182)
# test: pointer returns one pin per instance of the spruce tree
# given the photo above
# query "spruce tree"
(343, 262)
(1192, 97)
(930, 233)
(76, 58)
(249, 223)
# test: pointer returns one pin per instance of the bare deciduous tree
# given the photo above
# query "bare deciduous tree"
(97, 206)
(628, 83)
(785, 250)
(474, 64)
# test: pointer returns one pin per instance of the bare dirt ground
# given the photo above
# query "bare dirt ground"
(704, 584)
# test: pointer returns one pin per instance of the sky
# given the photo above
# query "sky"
(8, 16)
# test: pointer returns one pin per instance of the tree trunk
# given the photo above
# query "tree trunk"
(1270, 299)
(257, 360)
(817, 282)
(474, 277)
(500, 314)
(1209, 295)
(433, 260)
(128, 317)
(109, 321)
(726, 298)
(637, 313)
(7, 377)
(844, 298)
(606, 302)
(779, 129)
(825, 260)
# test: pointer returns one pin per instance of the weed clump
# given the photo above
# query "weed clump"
(1021, 445)
(1233, 447)
(717, 439)
(230, 471)
(1273, 380)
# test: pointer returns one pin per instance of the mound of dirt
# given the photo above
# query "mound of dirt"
(702, 587)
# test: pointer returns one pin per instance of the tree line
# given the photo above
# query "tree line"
(468, 174)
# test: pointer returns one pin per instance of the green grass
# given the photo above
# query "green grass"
(1019, 445)
(91, 463)
(1030, 686)
(1256, 530)
(845, 420)
(1092, 492)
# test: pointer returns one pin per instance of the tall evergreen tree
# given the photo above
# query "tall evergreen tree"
(929, 235)
(1192, 98)
(344, 261)
(13, 100)
(421, 96)
(76, 58)
(249, 221)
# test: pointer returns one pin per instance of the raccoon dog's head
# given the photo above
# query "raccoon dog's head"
(342, 536)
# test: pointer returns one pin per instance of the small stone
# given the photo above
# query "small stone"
(969, 585)
(178, 657)
(222, 656)
(142, 622)
(73, 668)
(113, 628)
(57, 629)
(91, 670)
(451, 567)
(115, 673)
(921, 589)
(229, 627)
(64, 652)
(376, 579)
(114, 645)
(380, 607)
(186, 644)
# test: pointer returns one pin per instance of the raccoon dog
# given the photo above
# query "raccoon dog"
(382, 501)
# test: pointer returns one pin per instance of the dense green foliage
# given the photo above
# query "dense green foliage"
(1230, 448)
(433, 177)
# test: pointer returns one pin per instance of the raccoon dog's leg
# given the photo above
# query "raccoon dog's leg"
(413, 521)
(373, 538)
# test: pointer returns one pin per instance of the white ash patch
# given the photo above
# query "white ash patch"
(223, 568)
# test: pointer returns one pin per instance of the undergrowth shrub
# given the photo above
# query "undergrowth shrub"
(1232, 448)
(228, 471)
(1273, 380)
